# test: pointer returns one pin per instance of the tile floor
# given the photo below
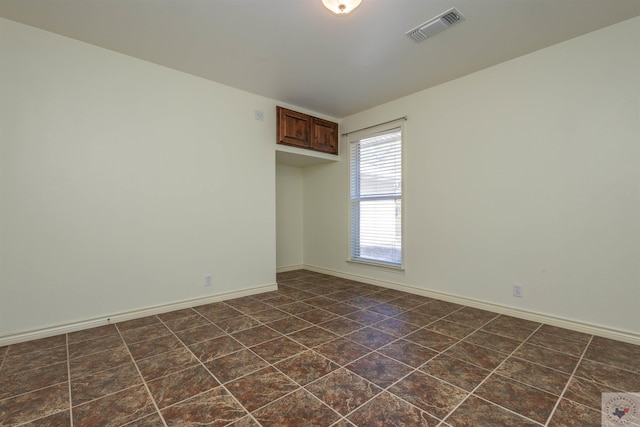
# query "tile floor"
(320, 351)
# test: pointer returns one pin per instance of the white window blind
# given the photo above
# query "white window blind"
(376, 198)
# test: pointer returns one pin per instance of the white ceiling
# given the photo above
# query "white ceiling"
(296, 52)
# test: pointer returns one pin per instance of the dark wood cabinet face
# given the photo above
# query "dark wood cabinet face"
(325, 136)
(294, 128)
(304, 131)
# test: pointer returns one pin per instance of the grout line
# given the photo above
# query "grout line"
(144, 382)
(494, 371)
(566, 386)
(69, 380)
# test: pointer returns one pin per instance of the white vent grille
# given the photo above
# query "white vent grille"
(435, 25)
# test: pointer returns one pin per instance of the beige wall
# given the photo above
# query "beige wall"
(289, 193)
(123, 183)
(527, 172)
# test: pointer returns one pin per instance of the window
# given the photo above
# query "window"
(376, 198)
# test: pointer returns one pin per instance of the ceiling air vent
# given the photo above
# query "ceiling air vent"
(435, 25)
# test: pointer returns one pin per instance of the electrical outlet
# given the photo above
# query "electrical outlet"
(208, 281)
(258, 115)
(517, 290)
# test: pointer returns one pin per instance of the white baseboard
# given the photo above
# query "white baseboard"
(134, 314)
(289, 268)
(573, 325)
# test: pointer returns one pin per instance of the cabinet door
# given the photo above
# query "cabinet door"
(325, 136)
(293, 128)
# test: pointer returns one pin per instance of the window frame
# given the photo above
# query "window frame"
(354, 138)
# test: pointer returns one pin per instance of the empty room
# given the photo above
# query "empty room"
(319, 213)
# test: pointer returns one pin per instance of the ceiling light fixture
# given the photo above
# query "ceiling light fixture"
(341, 7)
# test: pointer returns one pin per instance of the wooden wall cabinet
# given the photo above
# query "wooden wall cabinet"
(304, 131)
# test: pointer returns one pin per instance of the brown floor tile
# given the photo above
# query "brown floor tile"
(166, 363)
(209, 350)
(472, 317)
(200, 334)
(316, 316)
(61, 419)
(33, 360)
(235, 365)
(189, 322)
(213, 408)
(155, 346)
(306, 367)
(410, 302)
(92, 333)
(387, 410)
(99, 384)
(524, 400)
(433, 340)
(456, 372)
(544, 356)
(269, 315)
(379, 369)
(296, 307)
(33, 379)
(503, 329)
(439, 308)
(341, 326)
(177, 314)
(261, 388)
(479, 356)
(370, 337)
(475, 412)
(493, 341)
(514, 322)
(570, 414)
(557, 343)
(450, 329)
(407, 352)
(546, 379)
(395, 327)
(342, 351)
(429, 394)
(343, 390)
(615, 353)
(320, 301)
(245, 422)
(114, 410)
(415, 317)
(91, 346)
(341, 309)
(181, 385)
(36, 345)
(366, 317)
(257, 335)
(137, 323)
(363, 302)
(152, 420)
(587, 393)
(566, 334)
(312, 336)
(99, 361)
(386, 309)
(237, 324)
(248, 305)
(289, 324)
(290, 410)
(217, 311)
(608, 375)
(34, 405)
(278, 349)
(275, 299)
(343, 423)
(144, 333)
